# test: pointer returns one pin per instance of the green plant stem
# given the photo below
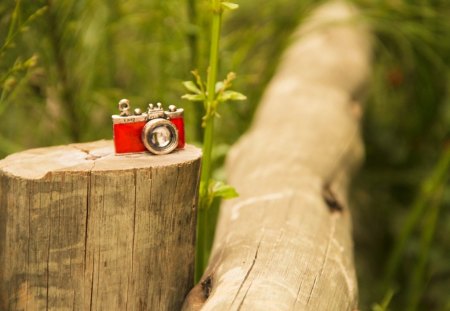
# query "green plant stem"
(418, 273)
(203, 238)
(210, 106)
(208, 140)
(214, 52)
(201, 246)
(13, 26)
(385, 303)
(428, 190)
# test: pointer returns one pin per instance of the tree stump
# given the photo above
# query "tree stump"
(285, 243)
(83, 229)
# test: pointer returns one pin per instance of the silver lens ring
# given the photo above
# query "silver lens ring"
(160, 136)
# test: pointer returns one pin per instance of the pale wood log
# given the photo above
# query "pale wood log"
(285, 243)
(83, 229)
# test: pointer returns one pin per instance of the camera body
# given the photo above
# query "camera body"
(157, 131)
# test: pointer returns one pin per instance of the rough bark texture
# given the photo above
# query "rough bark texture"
(82, 229)
(285, 243)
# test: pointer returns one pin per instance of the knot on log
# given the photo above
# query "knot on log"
(330, 199)
(207, 286)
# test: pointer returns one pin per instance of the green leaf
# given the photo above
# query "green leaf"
(194, 97)
(31, 62)
(230, 5)
(198, 79)
(216, 189)
(222, 190)
(191, 86)
(231, 95)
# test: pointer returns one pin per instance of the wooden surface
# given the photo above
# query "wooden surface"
(285, 243)
(82, 229)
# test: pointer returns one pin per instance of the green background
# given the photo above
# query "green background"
(64, 65)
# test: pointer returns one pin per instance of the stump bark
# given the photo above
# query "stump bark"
(285, 243)
(83, 229)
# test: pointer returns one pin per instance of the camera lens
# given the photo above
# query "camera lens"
(160, 136)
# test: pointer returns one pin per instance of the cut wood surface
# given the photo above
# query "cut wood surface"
(285, 243)
(83, 229)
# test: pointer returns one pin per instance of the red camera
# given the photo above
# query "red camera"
(156, 131)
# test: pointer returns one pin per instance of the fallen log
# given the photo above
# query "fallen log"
(285, 243)
(83, 229)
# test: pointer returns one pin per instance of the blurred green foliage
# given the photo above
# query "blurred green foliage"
(403, 194)
(65, 64)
